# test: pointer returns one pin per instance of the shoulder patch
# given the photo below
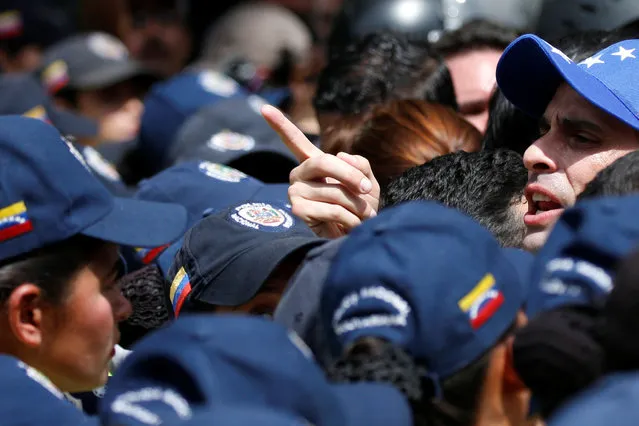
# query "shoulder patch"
(221, 172)
(262, 217)
(230, 141)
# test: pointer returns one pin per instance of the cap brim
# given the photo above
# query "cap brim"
(251, 272)
(69, 123)
(140, 223)
(111, 74)
(373, 404)
(530, 71)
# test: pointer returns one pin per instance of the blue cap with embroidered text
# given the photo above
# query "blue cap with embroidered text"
(531, 70)
(47, 195)
(227, 257)
(576, 266)
(218, 361)
(233, 132)
(612, 401)
(29, 398)
(398, 277)
(171, 102)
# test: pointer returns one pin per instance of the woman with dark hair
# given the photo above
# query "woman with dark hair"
(397, 308)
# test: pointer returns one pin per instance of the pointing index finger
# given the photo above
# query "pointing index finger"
(292, 137)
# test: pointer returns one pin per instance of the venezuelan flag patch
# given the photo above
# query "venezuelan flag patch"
(10, 24)
(482, 302)
(180, 289)
(149, 255)
(14, 221)
(55, 76)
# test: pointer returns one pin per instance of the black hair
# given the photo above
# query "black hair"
(509, 127)
(372, 359)
(379, 68)
(618, 325)
(558, 354)
(619, 178)
(483, 185)
(146, 290)
(584, 44)
(68, 96)
(50, 268)
(561, 352)
(476, 34)
(630, 29)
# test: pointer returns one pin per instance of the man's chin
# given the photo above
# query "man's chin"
(535, 239)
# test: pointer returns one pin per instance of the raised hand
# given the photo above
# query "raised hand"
(332, 194)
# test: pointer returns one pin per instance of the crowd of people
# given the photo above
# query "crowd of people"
(389, 223)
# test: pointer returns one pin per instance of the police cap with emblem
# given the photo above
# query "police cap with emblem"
(89, 61)
(227, 257)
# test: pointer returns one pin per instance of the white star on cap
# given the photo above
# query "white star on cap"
(562, 54)
(625, 53)
(592, 61)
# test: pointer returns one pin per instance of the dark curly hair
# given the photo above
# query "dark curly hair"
(379, 68)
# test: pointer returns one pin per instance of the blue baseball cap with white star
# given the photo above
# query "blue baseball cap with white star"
(531, 69)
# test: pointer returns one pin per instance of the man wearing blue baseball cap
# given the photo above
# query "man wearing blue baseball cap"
(93, 75)
(394, 302)
(239, 259)
(589, 117)
(199, 187)
(59, 262)
(21, 93)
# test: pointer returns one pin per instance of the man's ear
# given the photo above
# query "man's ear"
(24, 311)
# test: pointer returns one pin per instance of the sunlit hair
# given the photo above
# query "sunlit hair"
(402, 134)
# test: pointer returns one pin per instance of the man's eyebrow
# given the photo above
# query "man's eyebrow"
(576, 124)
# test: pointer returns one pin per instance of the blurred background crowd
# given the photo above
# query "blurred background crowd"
(319, 212)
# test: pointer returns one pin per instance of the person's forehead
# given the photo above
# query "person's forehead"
(484, 57)
(567, 103)
(474, 70)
